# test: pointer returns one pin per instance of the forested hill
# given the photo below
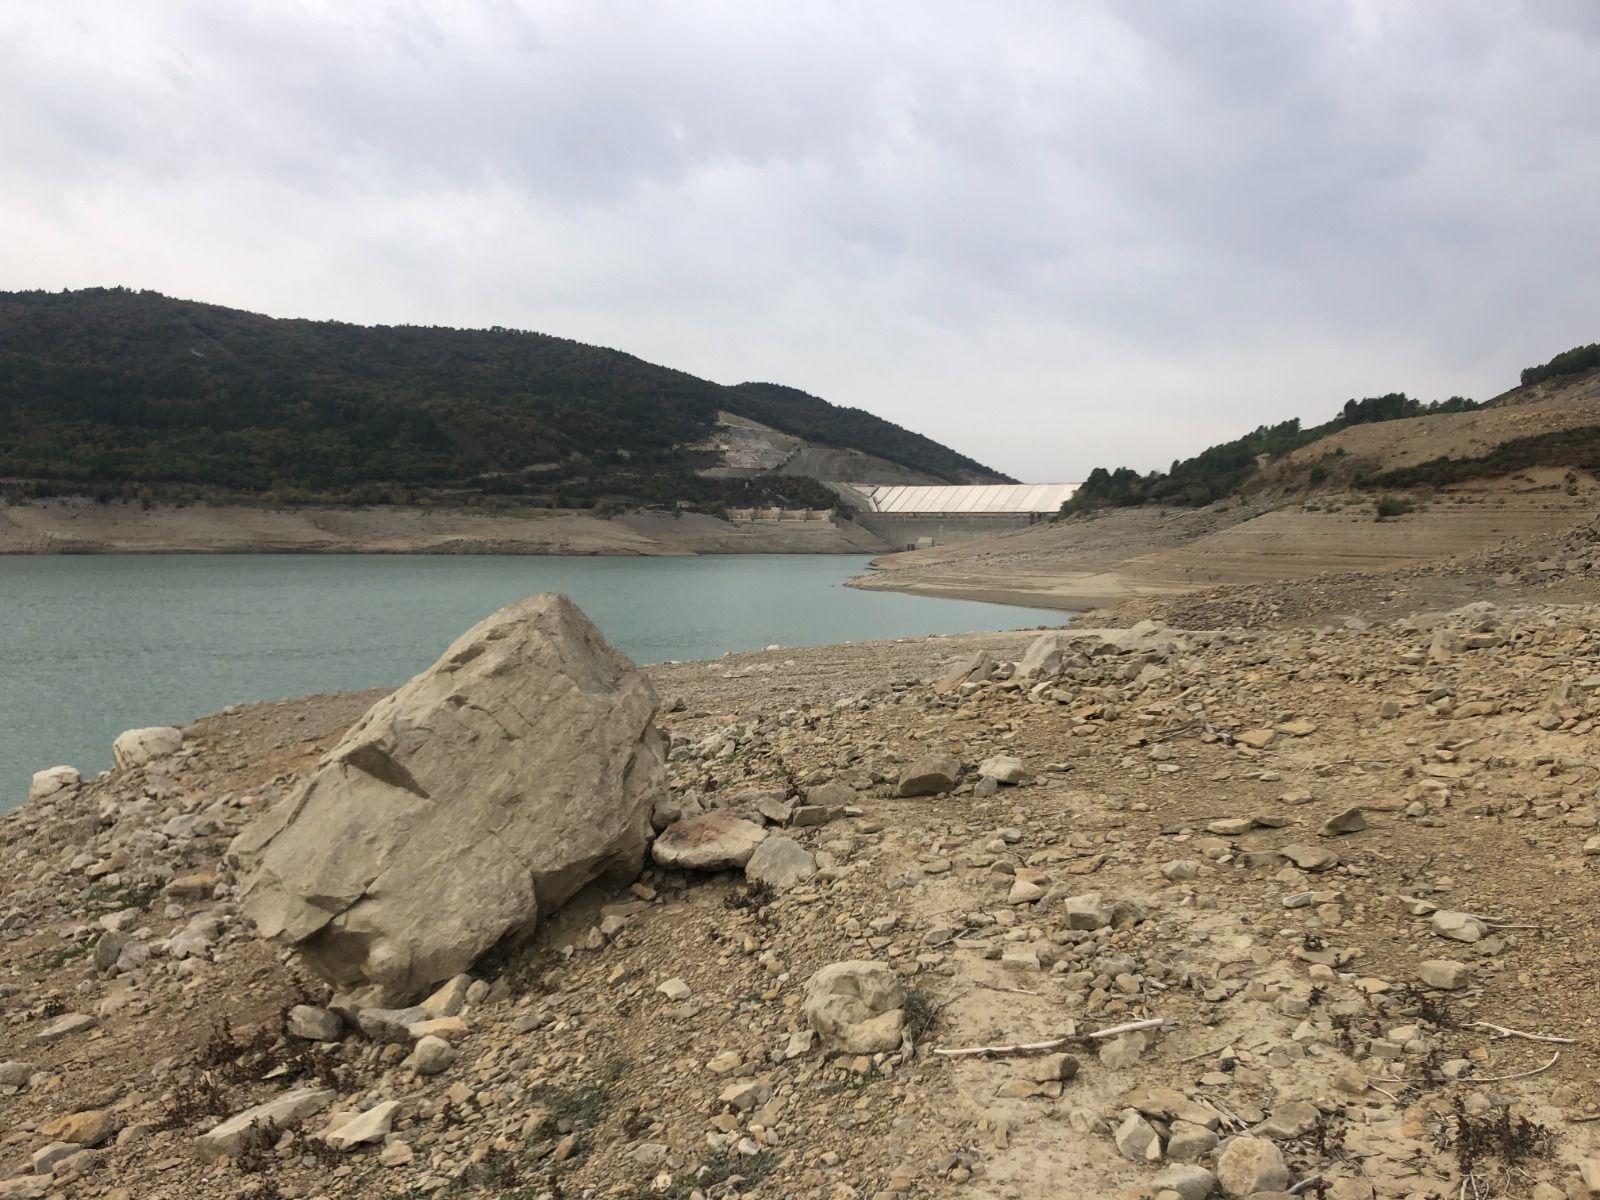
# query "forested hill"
(112, 387)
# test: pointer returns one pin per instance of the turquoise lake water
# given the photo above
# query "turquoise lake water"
(90, 646)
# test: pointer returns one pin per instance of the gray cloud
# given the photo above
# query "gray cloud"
(1067, 235)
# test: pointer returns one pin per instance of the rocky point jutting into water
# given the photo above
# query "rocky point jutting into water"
(1299, 905)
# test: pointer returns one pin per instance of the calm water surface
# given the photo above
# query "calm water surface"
(92, 646)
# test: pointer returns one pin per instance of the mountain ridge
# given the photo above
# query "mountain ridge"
(112, 388)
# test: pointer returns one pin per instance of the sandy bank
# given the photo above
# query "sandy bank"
(84, 527)
(1147, 554)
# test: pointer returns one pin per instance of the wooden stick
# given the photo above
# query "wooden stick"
(1519, 1075)
(1053, 1043)
(1554, 1058)
(1309, 1181)
(1000, 987)
(1532, 1037)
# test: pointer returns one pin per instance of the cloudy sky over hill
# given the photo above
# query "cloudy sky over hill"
(1052, 235)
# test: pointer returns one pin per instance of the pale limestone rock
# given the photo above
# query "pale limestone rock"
(1043, 657)
(45, 784)
(314, 1024)
(520, 767)
(370, 1126)
(1137, 1138)
(449, 999)
(1003, 768)
(856, 1007)
(1444, 974)
(781, 863)
(716, 841)
(1458, 926)
(1250, 1164)
(1189, 1182)
(136, 747)
(226, 1139)
(930, 775)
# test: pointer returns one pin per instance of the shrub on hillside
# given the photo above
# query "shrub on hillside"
(1394, 506)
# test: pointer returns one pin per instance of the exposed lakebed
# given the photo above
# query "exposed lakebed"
(90, 646)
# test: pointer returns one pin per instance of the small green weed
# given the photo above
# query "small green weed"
(53, 960)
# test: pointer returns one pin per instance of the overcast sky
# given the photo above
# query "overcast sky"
(1053, 235)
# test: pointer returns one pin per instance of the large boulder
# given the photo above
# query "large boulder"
(517, 769)
(135, 747)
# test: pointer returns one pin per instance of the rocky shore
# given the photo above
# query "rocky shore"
(1327, 882)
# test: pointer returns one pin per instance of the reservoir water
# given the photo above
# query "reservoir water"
(90, 646)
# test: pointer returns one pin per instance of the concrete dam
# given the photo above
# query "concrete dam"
(914, 516)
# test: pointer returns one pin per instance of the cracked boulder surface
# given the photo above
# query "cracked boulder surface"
(487, 791)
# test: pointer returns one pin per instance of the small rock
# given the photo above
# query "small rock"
(432, 1055)
(66, 1026)
(396, 1154)
(390, 1024)
(136, 747)
(1003, 768)
(370, 1126)
(856, 1007)
(1088, 911)
(930, 775)
(1189, 1182)
(1351, 820)
(1024, 892)
(1190, 1142)
(1250, 1164)
(1289, 1120)
(1444, 974)
(1137, 1139)
(449, 999)
(1231, 826)
(1120, 1053)
(1310, 858)
(89, 1128)
(1458, 926)
(226, 1139)
(45, 784)
(314, 1024)
(714, 841)
(1052, 1067)
(781, 863)
(47, 1158)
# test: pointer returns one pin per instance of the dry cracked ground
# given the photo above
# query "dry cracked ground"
(1340, 876)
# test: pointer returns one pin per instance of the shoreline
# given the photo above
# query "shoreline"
(1076, 601)
(77, 526)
